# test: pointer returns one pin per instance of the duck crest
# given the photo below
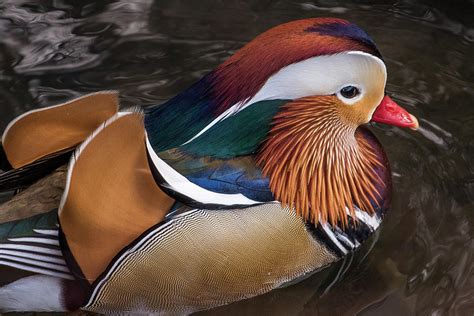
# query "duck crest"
(243, 74)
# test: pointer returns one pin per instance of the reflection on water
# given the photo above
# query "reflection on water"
(421, 261)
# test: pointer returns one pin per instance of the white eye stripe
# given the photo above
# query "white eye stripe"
(321, 75)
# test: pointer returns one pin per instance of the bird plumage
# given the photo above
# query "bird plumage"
(256, 175)
(241, 126)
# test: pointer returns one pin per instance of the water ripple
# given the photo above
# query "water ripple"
(421, 261)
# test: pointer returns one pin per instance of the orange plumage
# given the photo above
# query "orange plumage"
(318, 164)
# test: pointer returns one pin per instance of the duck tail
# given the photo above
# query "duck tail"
(17, 179)
(33, 272)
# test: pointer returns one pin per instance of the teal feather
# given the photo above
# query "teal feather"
(222, 159)
(26, 227)
(237, 135)
(174, 122)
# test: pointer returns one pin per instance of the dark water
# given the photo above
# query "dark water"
(421, 261)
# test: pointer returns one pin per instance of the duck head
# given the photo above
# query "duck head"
(294, 98)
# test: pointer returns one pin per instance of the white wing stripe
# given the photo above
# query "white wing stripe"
(36, 263)
(221, 117)
(38, 240)
(33, 256)
(32, 249)
(36, 270)
(49, 232)
(180, 184)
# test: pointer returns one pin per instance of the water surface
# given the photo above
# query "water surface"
(421, 260)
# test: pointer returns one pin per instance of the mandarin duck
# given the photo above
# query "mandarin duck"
(255, 176)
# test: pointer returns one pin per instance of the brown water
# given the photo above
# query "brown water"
(421, 260)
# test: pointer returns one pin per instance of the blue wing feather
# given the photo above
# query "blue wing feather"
(228, 176)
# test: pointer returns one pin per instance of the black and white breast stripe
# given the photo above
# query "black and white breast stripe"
(38, 253)
(344, 241)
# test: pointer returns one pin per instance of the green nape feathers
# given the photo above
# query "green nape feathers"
(239, 134)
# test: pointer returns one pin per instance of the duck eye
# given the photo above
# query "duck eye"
(349, 92)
